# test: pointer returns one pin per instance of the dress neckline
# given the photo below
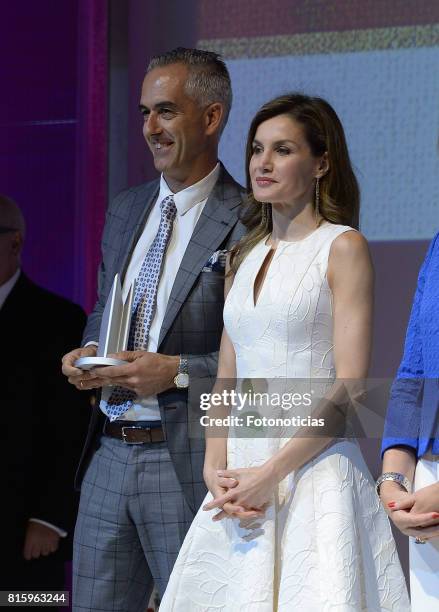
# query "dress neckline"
(287, 242)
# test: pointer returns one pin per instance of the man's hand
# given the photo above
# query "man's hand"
(39, 540)
(81, 379)
(145, 374)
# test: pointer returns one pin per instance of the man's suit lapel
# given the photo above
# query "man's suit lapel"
(136, 217)
(215, 223)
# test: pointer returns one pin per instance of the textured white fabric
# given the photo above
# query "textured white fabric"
(424, 558)
(325, 542)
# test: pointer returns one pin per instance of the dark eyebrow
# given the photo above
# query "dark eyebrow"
(159, 106)
(279, 142)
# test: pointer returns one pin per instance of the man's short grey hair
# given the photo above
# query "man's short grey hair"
(208, 79)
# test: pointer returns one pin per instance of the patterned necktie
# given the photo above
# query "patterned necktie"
(144, 304)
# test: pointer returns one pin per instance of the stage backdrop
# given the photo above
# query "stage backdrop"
(53, 136)
(378, 68)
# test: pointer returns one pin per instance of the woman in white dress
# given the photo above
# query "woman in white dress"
(293, 523)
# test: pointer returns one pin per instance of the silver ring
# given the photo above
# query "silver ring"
(420, 541)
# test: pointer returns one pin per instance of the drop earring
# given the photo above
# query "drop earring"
(264, 215)
(317, 198)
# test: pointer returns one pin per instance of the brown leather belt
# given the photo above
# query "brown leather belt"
(133, 434)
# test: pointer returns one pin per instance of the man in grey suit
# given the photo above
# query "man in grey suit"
(141, 473)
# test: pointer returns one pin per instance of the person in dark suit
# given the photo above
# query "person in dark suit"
(44, 421)
(141, 473)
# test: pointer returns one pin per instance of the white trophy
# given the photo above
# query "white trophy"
(114, 331)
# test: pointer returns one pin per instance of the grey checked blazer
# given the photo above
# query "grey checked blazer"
(193, 321)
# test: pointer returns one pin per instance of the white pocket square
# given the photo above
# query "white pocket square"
(216, 262)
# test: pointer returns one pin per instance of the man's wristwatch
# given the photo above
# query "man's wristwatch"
(181, 381)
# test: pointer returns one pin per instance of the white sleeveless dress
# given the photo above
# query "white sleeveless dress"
(325, 543)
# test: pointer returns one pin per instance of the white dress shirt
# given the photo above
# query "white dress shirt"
(189, 203)
(7, 287)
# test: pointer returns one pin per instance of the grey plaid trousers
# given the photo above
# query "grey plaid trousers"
(132, 521)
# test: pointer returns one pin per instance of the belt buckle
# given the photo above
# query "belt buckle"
(124, 435)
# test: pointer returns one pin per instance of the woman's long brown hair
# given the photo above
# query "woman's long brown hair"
(339, 200)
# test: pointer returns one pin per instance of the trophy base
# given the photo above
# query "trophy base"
(87, 363)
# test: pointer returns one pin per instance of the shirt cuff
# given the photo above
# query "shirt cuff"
(60, 532)
(91, 343)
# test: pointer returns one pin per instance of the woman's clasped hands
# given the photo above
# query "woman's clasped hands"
(242, 493)
(415, 514)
